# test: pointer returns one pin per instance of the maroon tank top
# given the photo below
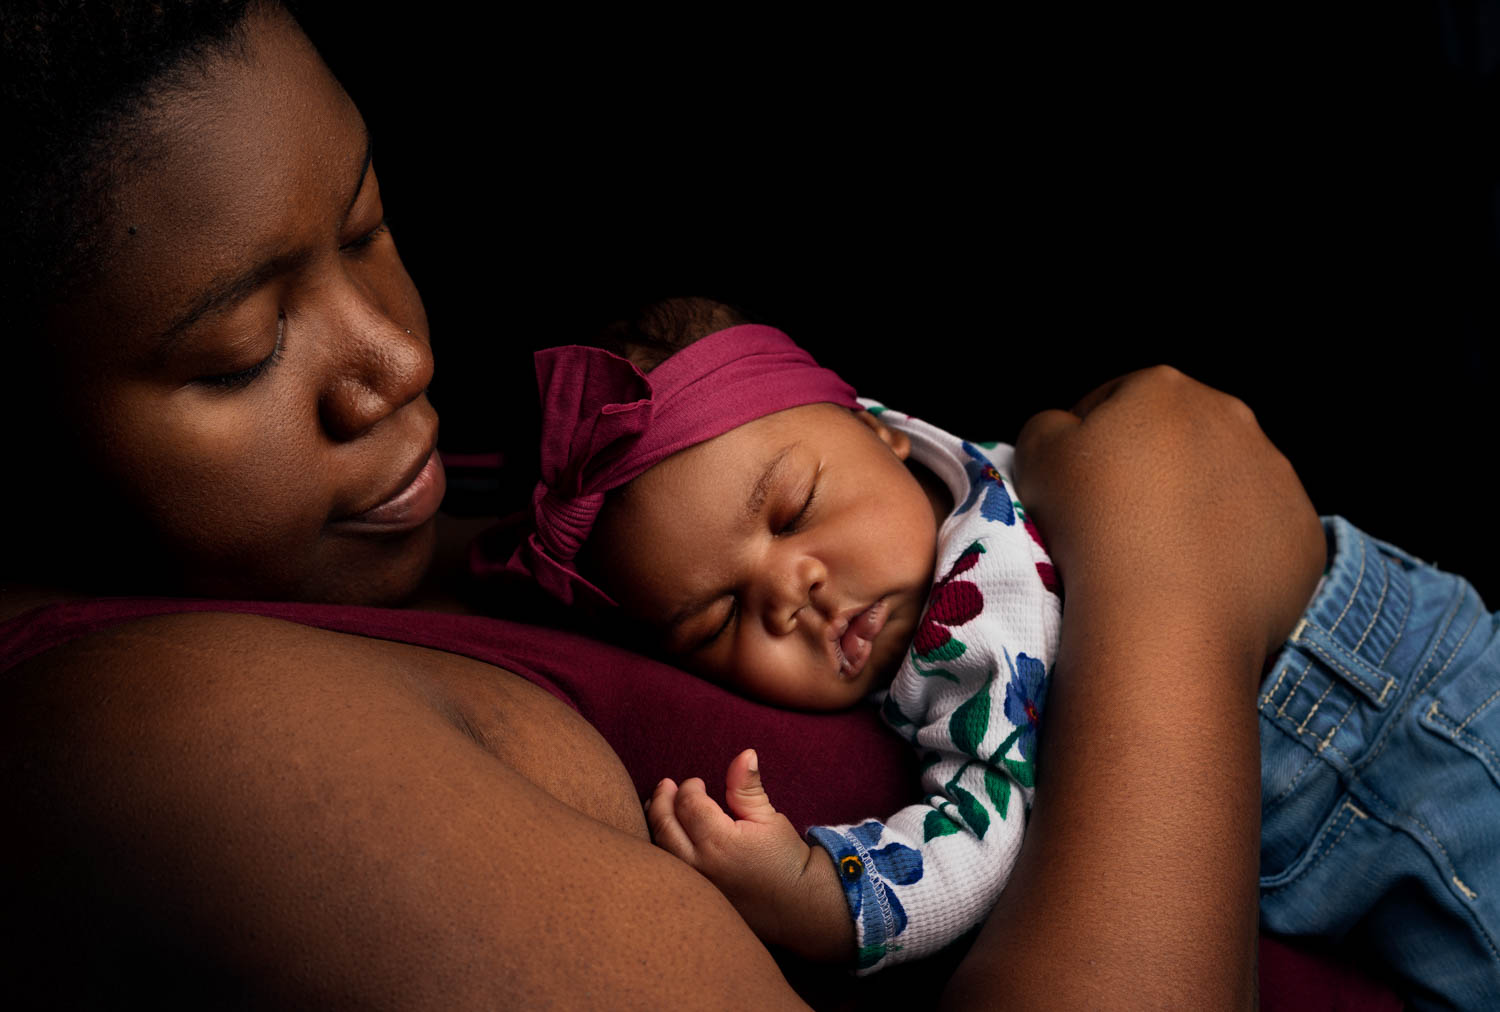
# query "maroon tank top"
(818, 768)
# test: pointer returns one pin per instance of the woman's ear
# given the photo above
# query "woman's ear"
(899, 442)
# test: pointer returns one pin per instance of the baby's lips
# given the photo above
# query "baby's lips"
(868, 623)
(858, 639)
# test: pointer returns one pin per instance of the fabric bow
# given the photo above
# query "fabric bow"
(604, 423)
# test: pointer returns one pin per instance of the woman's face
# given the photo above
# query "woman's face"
(249, 372)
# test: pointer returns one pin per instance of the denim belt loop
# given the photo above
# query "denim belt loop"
(1376, 686)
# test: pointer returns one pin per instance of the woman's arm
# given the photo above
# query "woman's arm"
(1186, 548)
(238, 811)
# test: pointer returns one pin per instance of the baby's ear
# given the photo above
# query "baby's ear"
(899, 443)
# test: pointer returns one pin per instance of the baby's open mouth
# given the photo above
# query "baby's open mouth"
(852, 648)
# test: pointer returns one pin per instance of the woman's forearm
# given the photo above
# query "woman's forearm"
(1136, 885)
(1187, 548)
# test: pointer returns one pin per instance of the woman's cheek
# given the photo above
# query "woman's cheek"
(220, 473)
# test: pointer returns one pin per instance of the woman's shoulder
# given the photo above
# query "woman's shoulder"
(199, 666)
(211, 685)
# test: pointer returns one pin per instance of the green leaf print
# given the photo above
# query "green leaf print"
(931, 672)
(971, 720)
(998, 788)
(1005, 745)
(955, 647)
(1023, 771)
(937, 824)
(972, 811)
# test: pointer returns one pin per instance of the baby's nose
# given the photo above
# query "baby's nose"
(791, 588)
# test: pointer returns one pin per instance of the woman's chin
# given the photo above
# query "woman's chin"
(379, 571)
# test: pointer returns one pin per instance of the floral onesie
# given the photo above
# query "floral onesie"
(968, 696)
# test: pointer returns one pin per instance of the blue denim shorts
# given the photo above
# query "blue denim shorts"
(1380, 774)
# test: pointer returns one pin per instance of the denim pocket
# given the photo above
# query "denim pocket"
(1464, 708)
(1331, 834)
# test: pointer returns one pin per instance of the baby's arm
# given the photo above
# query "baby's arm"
(788, 892)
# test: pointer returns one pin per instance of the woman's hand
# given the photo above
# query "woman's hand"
(1186, 548)
(1156, 486)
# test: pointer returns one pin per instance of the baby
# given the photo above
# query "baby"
(773, 533)
(780, 537)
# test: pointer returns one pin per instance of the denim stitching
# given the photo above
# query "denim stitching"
(1281, 710)
(1326, 690)
(1400, 630)
(1379, 604)
(1266, 699)
(1328, 738)
(1457, 646)
(1493, 696)
(1293, 784)
(1453, 874)
(1328, 741)
(1359, 580)
(1455, 731)
(1326, 849)
(1333, 662)
(1447, 859)
(1385, 733)
(1312, 760)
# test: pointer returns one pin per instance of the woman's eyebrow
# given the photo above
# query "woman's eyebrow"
(230, 290)
(762, 487)
(227, 292)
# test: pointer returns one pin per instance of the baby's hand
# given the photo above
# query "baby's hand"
(787, 891)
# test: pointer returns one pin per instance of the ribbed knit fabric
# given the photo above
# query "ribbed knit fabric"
(969, 697)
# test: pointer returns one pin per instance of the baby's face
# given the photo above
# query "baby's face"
(790, 557)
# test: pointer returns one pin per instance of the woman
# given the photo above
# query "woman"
(238, 809)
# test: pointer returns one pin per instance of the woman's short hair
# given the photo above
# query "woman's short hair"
(75, 78)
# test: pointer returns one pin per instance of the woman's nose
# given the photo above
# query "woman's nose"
(790, 586)
(383, 366)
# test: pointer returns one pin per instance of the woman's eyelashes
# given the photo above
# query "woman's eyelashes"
(244, 377)
(382, 227)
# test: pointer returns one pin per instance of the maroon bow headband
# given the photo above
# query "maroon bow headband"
(604, 423)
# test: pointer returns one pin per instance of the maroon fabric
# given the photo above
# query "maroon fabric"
(604, 423)
(818, 768)
(662, 722)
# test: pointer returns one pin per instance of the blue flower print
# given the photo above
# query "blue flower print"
(853, 852)
(985, 481)
(1023, 701)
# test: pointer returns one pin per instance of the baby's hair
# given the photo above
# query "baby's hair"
(658, 330)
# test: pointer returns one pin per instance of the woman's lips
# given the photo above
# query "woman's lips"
(409, 507)
(854, 645)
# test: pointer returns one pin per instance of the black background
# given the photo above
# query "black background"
(977, 219)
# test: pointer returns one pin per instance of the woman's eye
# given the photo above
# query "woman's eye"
(355, 245)
(793, 525)
(244, 377)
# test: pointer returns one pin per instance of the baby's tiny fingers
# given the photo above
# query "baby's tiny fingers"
(699, 814)
(661, 817)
